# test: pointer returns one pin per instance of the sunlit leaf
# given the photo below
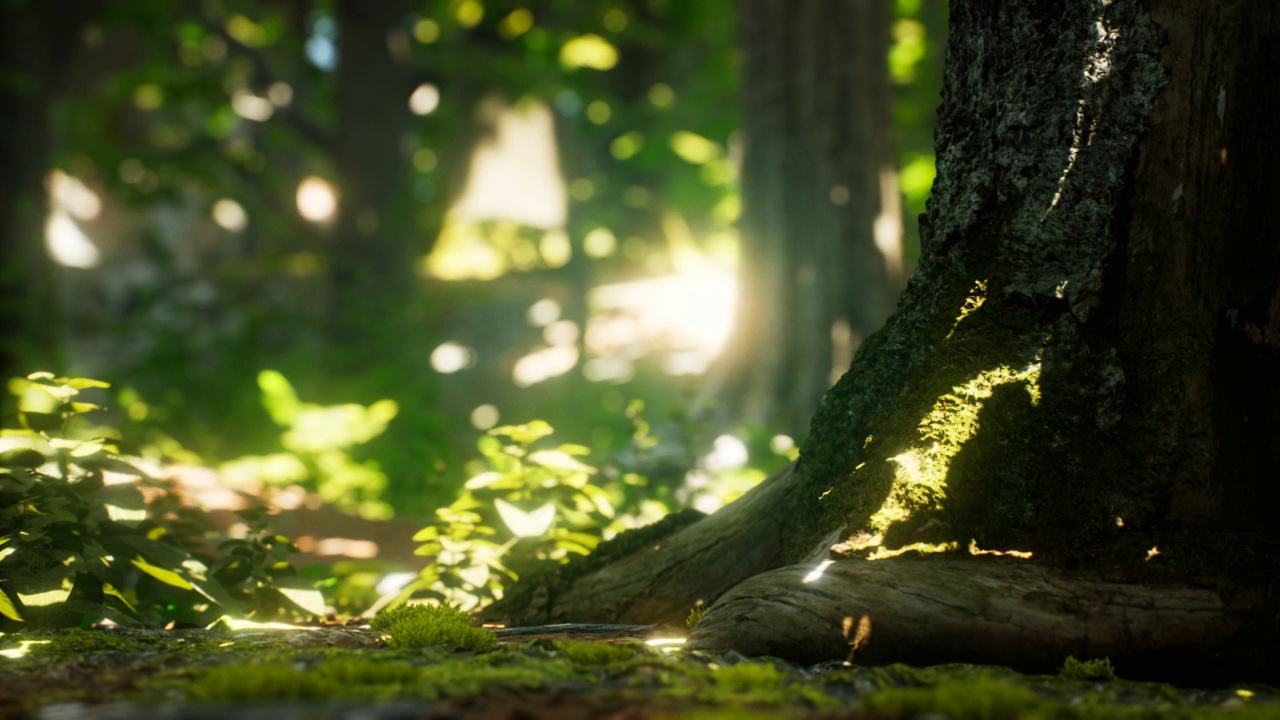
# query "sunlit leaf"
(44, 598)
(526, 524)
(526, 433)
(7, 608)
(599, 498)
(431, 532)
(278, 396)
(559, 460)
(168, 577)
(302, 595)
(86, 448)
(85, 383)
(484, 479)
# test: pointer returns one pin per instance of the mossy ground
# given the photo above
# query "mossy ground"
(352, 665)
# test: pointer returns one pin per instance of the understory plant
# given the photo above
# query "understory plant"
(87, 535)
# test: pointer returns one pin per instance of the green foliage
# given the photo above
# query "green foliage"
(1096, 669)
(85, 535)
(416, 626)
(318, 441)
(695, 616)
(542, 500)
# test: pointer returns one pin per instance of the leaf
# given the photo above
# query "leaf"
(8, 609)
(526, 433)
(484, 479)
(302, 594)
(599, 498)
(430, 532)
(559, 460)
(526, 524)
(279, 397)
(168, 577)
(84, 383)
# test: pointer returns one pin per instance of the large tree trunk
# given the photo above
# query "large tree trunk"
(1084, 371)
(821, 229)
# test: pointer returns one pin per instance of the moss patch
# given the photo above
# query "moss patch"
(415, 626)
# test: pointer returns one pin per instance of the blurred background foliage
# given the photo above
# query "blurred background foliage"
(435, 221)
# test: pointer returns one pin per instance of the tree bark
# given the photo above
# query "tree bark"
(819, 195)
(1085, 368)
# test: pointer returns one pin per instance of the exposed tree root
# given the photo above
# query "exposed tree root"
(951, 609)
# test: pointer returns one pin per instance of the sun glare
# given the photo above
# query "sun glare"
(317, 200)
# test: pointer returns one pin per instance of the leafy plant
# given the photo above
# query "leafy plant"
(542, 499)
(318, 441)
(86, 535)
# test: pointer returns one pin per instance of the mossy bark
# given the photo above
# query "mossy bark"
(1086, 365)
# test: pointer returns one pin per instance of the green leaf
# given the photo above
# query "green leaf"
(526, 433)
(8, 609)
(559, 460)
(168, 577)
(84, 383)
(279, 397)
(599, 498)
(526, 524)
(302, 594)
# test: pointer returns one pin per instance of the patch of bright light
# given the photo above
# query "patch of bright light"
(817, 572)
(394, 582)
(599, 243)
(561, 333)
(694, 148)
(347, 547)
(67, 244)
(484, 417)
(322, 52)
(543, 313)
(782, 444)
(609, 369)
(727, 452)
(588, 51)
(24, 647)
(230, 215)
(251, 107)
(544, 364)
(280, 93)
(515, 175)
(666, 643)
(555, 248)
(425, 99)
(317, 200)
(69, 194)
(887, 228)
(450, 357)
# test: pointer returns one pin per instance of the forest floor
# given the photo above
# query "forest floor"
(349, 672)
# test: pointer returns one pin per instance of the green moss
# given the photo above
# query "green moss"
(414, 626)
(1097, 669)
(695, 617)
(354, 675)
(979, 699)
(598, 653)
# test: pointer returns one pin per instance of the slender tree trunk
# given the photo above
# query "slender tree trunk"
(373, 254)
(1083, 373)
(822, 260)
(34, 43)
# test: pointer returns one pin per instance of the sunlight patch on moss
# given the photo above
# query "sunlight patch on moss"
(921, 477)
(976, 298)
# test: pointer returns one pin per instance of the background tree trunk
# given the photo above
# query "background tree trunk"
(1084, 368)
(35, 42)
(820, 198)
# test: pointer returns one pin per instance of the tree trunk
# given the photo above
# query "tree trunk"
(35, 41)
(820, 198)
(1084, 371)
(372, 259)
